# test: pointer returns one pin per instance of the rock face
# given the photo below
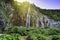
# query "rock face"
(43, 21)
(36, 19)
(26, 14)
(2, 23)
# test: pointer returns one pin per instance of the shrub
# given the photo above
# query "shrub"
(11, 37)
(55, 37)
(38, 37)
(32, 37)
(12, 29)
(22, 30)
(35, 33)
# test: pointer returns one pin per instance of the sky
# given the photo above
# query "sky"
(45, 4)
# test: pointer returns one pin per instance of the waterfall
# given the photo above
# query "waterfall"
(37, 22)
(42, 24)
(46, 21)
(54, 23)
(41, 20)
(28, 18)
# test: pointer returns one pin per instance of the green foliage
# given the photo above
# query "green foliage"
(55, 37)
(32, 33)
(35, 36)
(11, 29)
(19, 19)
(21, 31)
(6, 11)
(11, 37)
(32, 37)
(35, 33)
(53, 14)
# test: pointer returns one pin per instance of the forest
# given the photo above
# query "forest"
(52, 13)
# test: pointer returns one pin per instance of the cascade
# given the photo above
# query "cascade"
(28, 18)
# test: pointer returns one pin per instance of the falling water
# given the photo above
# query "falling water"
(46, 21)
(42, 24)
(37, 22)
(28, 18)
(41, 20)
(54, 23)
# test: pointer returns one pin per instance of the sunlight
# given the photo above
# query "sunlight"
(30, 1)
(20, 0)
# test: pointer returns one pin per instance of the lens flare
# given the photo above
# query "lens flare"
(20, 0)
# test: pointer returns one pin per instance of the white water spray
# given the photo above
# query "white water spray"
(28, 18)
(37, 22)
